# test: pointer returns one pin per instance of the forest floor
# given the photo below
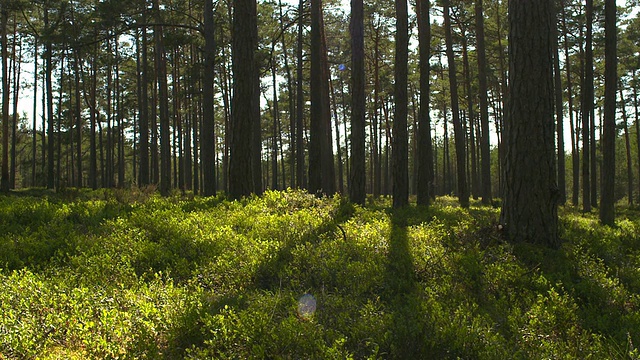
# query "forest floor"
(127, 274)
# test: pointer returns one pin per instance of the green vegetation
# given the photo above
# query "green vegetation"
(133, 275)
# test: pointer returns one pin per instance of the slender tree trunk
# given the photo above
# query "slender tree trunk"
(292, 107)
(627, 143)
(463, 191)
(587, 110)
(49, 94)
(575, 157)
(207, 139)
(637, 122)
(475, 184)
(338, 145)
(163, 99)
(607, 210)
(144, 178)
(529, 210)
(34, 146)
(4, 180)
(17, 61)
(357, 187)
(79, 122)
(300, 167)
(377, 121)
(559, 107)
(276, 110)
(400, 150)
(485, 146)
(93, 157)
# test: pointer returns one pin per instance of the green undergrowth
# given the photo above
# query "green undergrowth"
(288, 275)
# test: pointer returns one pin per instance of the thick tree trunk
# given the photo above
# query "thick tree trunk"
(529, 210)
(400, 171)
(425, 174)
(242, 115)
(607, 210)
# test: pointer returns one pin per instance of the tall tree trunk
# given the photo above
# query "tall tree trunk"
(607, 210)
(575, 157)
(49, 94)
(475, 185)
(4, 180)
(274, 138)
(292, 107)
(163, 101)
(425, 174)
(34, 146)
(17, 61)
(357, 187)
(559, 107)
(587, 110)
(79, 122)
(637, 122)
(93, 118)
(242, 115)
(207, 136)
(300, 177)
(627, 143)
(529, 210)
(400, 172)
(377, 121)
(463, 191)
(144, 178)
(485, 146)
(338, 145)
(321, 168)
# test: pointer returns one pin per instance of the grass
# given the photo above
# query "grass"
(127, 274)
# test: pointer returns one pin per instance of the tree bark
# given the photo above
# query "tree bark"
(425, 174)
(587, 110)
(463, 191)
(357, 187)
(400, 149)
(207, 135)
(242, 115)
(607, 210)
(485, 146)
(559, 107)
(4, 180)
(529, 210)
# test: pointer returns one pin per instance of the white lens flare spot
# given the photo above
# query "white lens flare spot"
(306, 306)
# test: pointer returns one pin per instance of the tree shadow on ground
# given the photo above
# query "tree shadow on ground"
(409, 334)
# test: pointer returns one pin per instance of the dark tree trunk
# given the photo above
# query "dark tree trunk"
(357, 188)
(49, 95)
(559, 107)
(607, 210)
(34, 146)
(300, 178)
(17, 61)
(587, 110)
(207, 135)
(425, 174)
(93, 117)
(529, 210)
(627, 146)
(163, 98)
(242, 115)
(79, 122)
(471, 144)
(144, 178)
(4, 180)
(338, 145)
(321, 168)
(463, 191)
(575, 157)
(400, 171)
(485, 149)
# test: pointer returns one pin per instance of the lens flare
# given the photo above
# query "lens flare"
(306, 306)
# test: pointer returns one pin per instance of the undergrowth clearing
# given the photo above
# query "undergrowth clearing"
(288, 275)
